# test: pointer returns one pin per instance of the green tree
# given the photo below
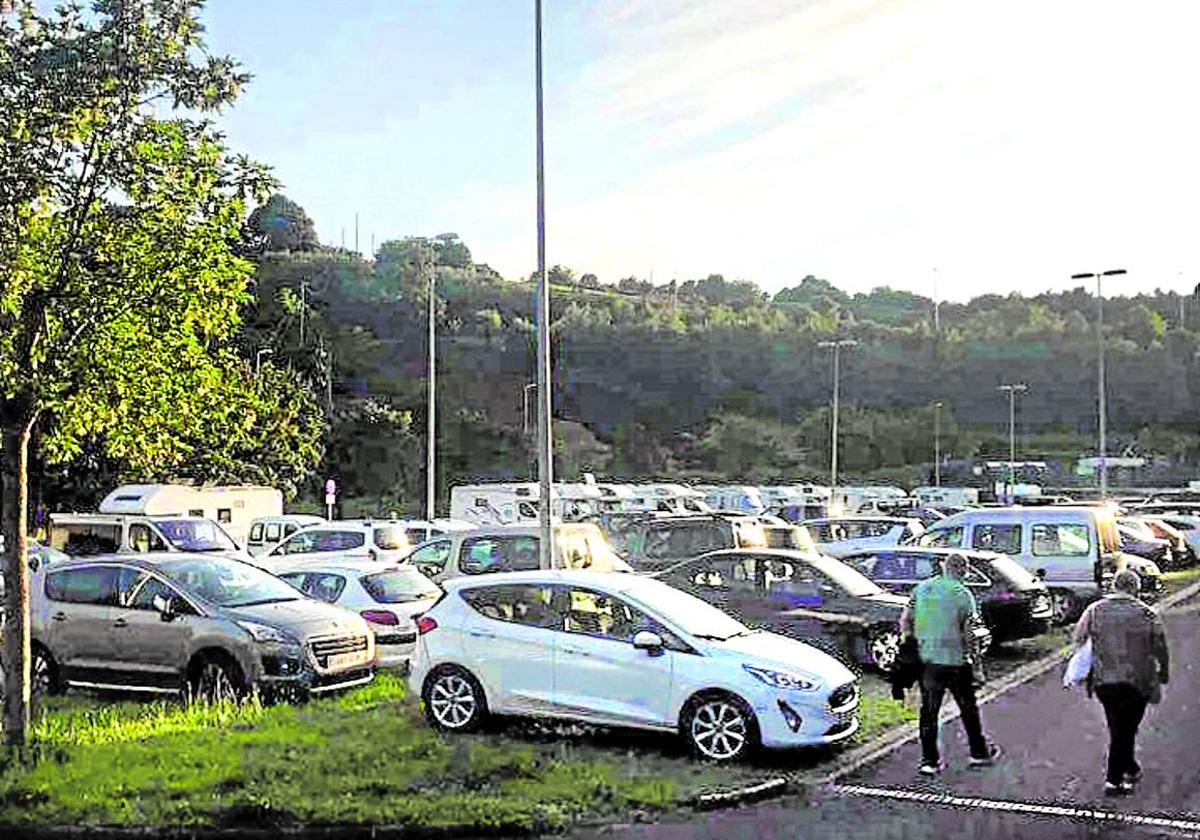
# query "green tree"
(281, 224)
(121, 287)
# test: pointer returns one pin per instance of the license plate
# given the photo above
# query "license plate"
(344, 660)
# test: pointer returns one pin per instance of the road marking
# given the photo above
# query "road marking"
(946, 800)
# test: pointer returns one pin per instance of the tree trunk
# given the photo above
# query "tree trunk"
(15, 653)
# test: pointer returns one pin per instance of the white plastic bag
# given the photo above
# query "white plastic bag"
(1078, 666)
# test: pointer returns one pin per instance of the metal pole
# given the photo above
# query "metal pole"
(431, 433)
(1100, 389)
(545, 433)
(937, 444)
(833, 464)
(1012, 444)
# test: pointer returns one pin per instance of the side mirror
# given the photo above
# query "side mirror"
(165, 607)
(650, 642)
(1041, 574)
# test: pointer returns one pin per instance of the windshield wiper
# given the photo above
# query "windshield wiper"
(262, 601)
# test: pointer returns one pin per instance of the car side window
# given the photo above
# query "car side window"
(892, 567)
(294, 579)
(924, 568)
(1003, 538)
(528, 604)
(483, 555)
(975, 577)
(301, 543)
(324, 586)
(338, 540)
(143, 540)
(431, 559)
(724, 575)
(597, 614)
(256, 532)
(1061, 541)
(271, 534)
(93, 585)
(144, 589)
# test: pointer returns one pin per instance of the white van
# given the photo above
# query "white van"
(511, 548)
(233, 507)
(738, 498)
(266, 532)
(1074, 549)
(90, 534)
(946, 496)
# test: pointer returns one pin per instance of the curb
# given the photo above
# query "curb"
(777, 786)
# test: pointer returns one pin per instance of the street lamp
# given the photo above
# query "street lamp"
(544, 428)
(531, 386)
(836, 346)
(265, 351)
(1103, 465)
(431, 432)
(937, 443)
(1012, 390)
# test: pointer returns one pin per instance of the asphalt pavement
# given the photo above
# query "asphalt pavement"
(1048, 783)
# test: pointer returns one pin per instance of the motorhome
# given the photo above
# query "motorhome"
(741, 498)
(946, 496)
(234, 508)
(850, 500)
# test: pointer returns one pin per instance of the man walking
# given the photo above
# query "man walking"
(941, 616)
(1130, 664)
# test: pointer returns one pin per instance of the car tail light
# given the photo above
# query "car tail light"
(425, 624)
(380, 617)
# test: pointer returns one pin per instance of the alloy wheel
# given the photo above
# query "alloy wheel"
(452, 701)
(719, 730)
(41, 675)
(1062, 605)
(884, 649)
(213, 683)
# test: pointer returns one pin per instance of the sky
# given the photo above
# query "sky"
(956, 147)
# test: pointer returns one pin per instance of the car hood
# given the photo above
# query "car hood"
(888, 599)
(1140, 564)
(303, 617)
(770, 650)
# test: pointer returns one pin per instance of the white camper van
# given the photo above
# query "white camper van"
(234, 508)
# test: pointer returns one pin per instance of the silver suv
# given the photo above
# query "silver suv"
(206, 625)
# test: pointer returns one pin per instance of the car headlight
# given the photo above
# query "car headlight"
(265, 634)
(781, 679)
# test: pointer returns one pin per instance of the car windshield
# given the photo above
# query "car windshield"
(227, 583)
(690, 614)
(398, 586)
(853, 581)
(195, 535)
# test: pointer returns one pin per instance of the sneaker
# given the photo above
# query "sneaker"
(1117, 789)
(1133, 776)
(927, 769)
(994, 752)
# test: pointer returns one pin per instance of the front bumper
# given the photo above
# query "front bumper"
(799, 719)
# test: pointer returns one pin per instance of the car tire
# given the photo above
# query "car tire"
(213, 678)
(719, 727)
(453, 700)
(883, 648)
(1064, 606)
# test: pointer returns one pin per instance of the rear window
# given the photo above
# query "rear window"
(686, 540)
(95, 585)
(398, 586)
(86, 539)
(943, 537)
(391, 538)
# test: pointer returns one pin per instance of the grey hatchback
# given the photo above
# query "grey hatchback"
(198, 624)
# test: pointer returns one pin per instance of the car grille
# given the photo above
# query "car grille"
(395, 638)
(845, 696)
(324, 649)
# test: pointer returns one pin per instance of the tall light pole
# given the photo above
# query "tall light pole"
(1100, 397)
(835, 346)
(544, 397)
(937, 443)
(431, 432)
(1013, 390)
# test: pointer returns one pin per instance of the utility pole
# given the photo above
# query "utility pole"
(937, 305)
(544, 397)
(356, 233)
(431, 433)
(303, 307)
(937, 443)
(1102, 466)
(836, 346)
(1013, 390)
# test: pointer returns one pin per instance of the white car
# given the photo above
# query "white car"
(845, 535)
(363, 540)
(389, 597)
(624, 650)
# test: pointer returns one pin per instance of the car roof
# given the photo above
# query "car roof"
(895, 520)
(148, 561)
(612, 581)
(1007, 514)
(940, 551)
(348, 567)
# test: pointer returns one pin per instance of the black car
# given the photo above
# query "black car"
(656, 544)
(810, 597)
(1014, 603)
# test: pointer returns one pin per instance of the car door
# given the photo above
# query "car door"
(80, 610)
(1064, 550)
(430, 560)
(598, 673)
(149, 651)
(509, 643)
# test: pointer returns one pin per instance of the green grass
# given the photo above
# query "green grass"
(1177, 580)
(364, 758)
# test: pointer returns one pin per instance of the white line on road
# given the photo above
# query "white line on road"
(946, 800)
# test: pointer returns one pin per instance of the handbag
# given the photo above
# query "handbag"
(1079, 666)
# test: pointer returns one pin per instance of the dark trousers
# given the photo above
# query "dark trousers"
(958, 679)
(1124, 707)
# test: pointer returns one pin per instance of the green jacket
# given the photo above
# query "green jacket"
(941, 615)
